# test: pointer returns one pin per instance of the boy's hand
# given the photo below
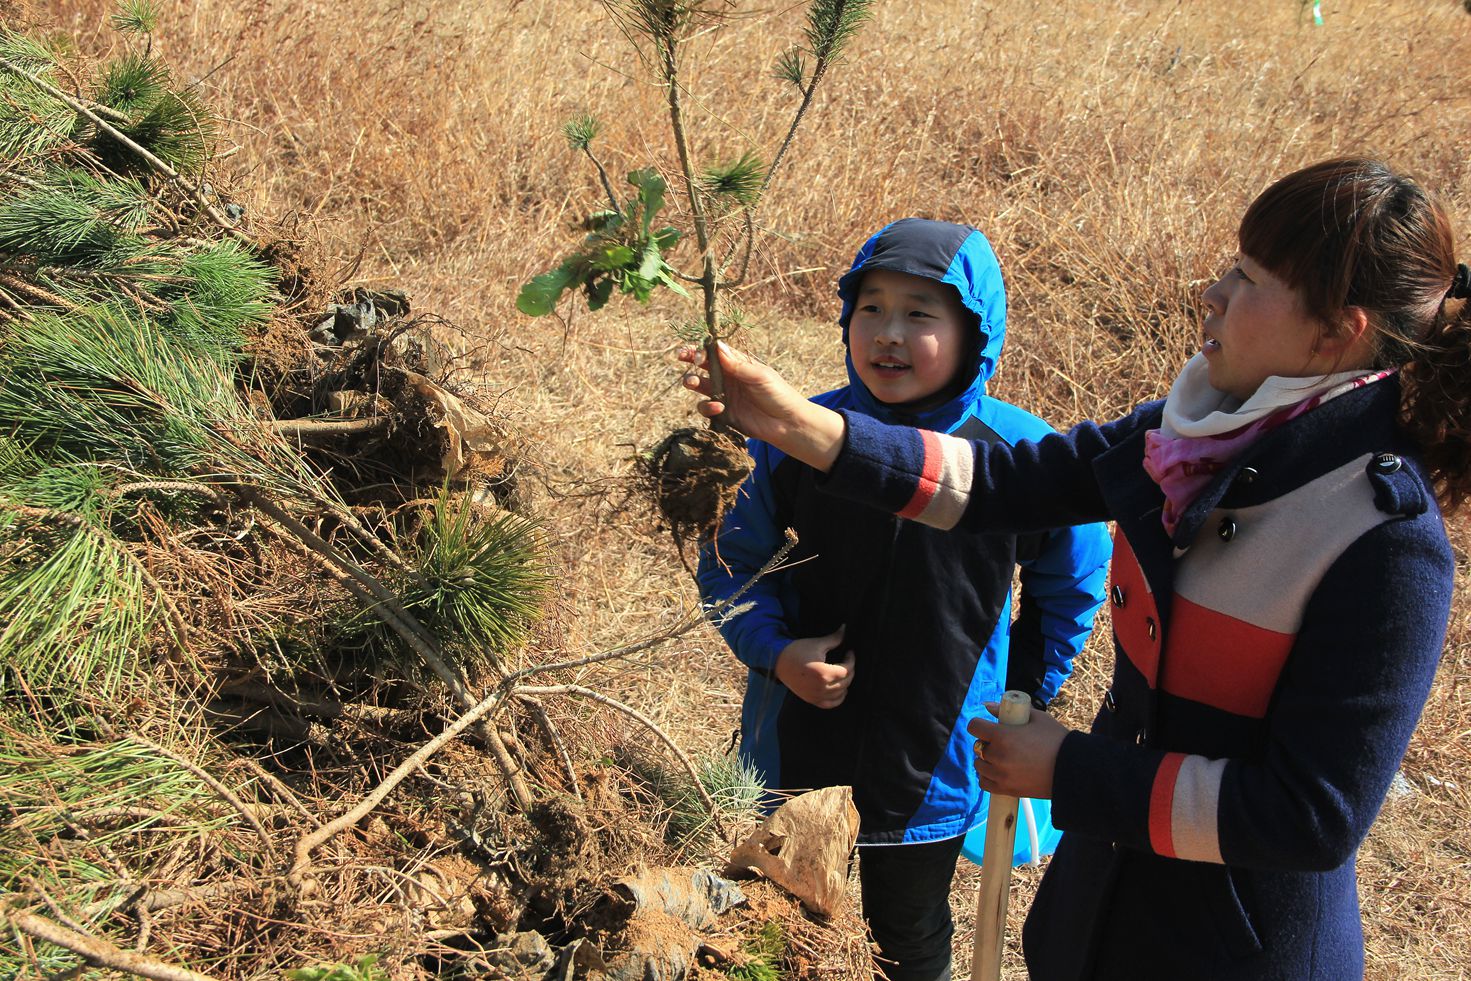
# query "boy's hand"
(759, 403)
(802, 666)
(1017, 760)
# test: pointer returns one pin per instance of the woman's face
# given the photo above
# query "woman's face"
(1255, 327)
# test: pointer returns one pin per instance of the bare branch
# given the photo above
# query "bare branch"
(647, 723)
(223, 792)
(95, 949)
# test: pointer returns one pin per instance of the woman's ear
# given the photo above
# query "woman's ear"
(1347, 339)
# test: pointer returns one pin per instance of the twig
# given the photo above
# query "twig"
(279, 788)
(195, 193)
(649, 724)
(603, 176)
(304, 846)
(686, 623)
(214, 784)
(539, 713)
(95, 949)
(306, 428)
(183, 486)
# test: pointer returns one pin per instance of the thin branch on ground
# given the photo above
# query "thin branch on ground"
(307, 428)
(95, 949)
(307, 843)
(279, 788)
(223, 792)
(554, 736)
(646, 722)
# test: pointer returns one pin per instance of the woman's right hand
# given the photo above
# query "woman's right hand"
(759, 403)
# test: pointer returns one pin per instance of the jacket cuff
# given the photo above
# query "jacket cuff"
(760, 650)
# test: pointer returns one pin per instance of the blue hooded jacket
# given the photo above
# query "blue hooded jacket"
(928, 614)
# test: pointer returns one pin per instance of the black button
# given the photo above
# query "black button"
(1149, 625)
(1227, 531)
(1247, 475)
(1118, 595)
(1387, 463)
(1116, 845)
(1109, 702)
(1139, 737)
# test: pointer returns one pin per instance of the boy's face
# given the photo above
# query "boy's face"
(906, 335)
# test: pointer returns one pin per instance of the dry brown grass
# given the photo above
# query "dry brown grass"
(1107, 148)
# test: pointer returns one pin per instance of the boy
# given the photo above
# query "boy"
(883, 637)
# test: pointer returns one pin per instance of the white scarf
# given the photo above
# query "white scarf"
(1193, 408)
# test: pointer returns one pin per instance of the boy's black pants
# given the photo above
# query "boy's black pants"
(906, 901)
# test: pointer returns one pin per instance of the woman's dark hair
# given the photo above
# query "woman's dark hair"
(1353, 233)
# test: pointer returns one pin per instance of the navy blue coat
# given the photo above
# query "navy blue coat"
(1273, 657)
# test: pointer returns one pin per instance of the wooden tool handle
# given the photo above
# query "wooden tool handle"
(985, 965)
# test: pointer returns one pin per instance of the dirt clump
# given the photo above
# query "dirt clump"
(693, 476)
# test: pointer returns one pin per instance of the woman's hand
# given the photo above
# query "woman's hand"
(1017, 760)
(802, 666)
(759, 403)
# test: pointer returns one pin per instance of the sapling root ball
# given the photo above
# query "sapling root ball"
(693, 475)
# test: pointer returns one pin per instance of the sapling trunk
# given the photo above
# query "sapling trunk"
(710, 274)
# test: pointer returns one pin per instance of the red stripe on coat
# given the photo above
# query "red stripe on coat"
(929, 477)
(1162, 805)
(1135, 621)
(1223, 662)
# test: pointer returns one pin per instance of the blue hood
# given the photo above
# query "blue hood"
(950, 253)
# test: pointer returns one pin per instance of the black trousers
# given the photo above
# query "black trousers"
(906, 901)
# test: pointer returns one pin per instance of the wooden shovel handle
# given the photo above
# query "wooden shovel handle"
(985, 965)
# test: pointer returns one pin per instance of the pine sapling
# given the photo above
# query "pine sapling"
(693, 474)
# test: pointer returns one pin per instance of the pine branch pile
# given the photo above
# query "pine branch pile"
(255, 555)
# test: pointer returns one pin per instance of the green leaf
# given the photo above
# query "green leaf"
(614, 257)
(652, 262)
(598, 292)
(651, 189)
(539, 296)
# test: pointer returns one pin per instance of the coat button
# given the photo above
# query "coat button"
(1387, 463)
(1109, 702)
(1117, 593)
(1149, 626)
(1140, 737)
(1227, 530)
(1248, 475)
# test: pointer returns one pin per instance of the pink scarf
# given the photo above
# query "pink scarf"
(1204, 429)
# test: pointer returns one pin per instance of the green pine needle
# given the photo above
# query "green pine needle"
(480, 582)
(738, 180)
(791, 67)
(76, 608)
(173, 125)
(53, 786)
(72, 217)
(580, 131)
(135, 17)
(831, 24)
(33, 125)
